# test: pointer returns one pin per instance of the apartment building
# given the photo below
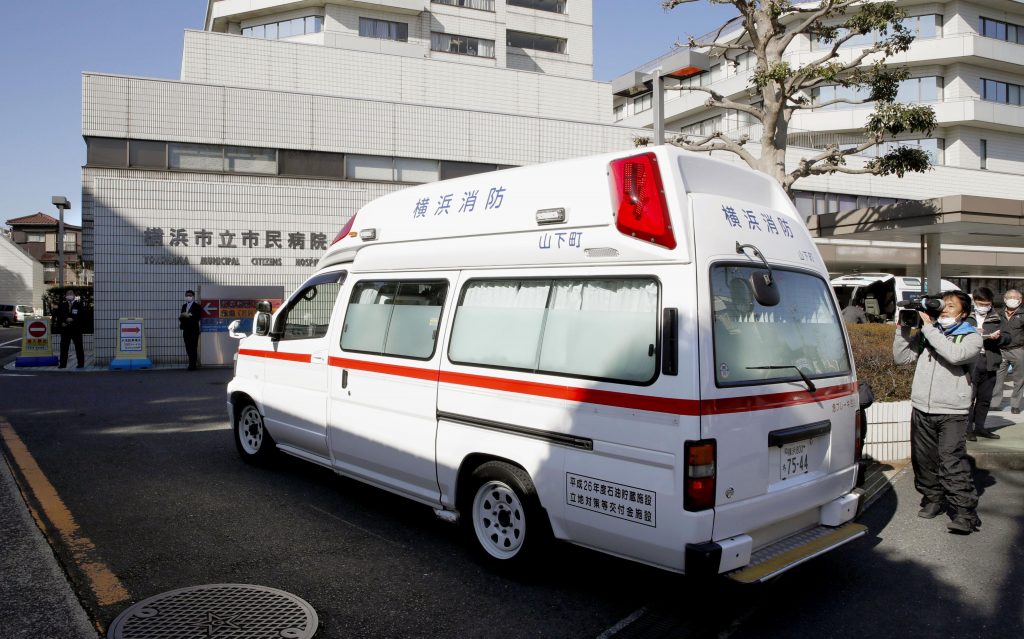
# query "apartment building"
(290, 115)
(967, 62)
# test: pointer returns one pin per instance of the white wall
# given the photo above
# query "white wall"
(21, 276)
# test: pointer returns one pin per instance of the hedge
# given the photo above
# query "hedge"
(872, 353)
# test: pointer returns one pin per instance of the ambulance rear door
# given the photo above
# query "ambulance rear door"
(778, 397)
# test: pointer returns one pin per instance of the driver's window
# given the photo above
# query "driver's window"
(310, 311)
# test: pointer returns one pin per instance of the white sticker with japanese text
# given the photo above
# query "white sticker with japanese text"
(617, 500)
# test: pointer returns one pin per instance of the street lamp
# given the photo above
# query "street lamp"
(680, 64)
(62, 204)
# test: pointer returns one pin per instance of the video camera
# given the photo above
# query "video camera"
(930, 304)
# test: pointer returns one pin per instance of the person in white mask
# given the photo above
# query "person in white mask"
(189, 322)
(944, 349)
(1013, 352)
(986, 366)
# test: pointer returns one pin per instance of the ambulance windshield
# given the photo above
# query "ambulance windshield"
(757, 344)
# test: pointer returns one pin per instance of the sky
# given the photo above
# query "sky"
(49, 43)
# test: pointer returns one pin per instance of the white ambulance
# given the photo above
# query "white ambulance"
(638, 352)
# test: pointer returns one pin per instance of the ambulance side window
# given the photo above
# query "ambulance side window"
(603, 329)
(395, 318)
(309, 310)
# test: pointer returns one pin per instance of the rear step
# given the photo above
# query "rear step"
(794, 550)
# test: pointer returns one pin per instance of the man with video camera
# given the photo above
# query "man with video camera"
(944, 348)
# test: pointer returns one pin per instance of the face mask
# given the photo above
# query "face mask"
(1012, 303)
(946, 322)
(188, 298)
(983, 309)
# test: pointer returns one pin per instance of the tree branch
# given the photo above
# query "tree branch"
(717, 141)
(723, 102)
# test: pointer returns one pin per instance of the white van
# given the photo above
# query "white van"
(880, 292)
(637, 352)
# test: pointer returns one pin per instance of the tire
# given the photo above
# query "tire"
(505, 521)
(6, 323)
(252, 439)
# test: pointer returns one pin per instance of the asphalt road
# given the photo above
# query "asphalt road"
(146, 465)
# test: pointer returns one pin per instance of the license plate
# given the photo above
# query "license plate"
(794, 459)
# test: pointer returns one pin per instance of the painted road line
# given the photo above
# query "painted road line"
(11, 342)
(105, 586)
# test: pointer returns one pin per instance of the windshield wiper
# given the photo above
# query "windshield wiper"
(807, 380)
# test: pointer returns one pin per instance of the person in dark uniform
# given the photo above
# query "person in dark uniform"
(188, 322)
(986, 367)
(69, 318)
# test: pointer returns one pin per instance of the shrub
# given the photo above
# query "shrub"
(872, 353)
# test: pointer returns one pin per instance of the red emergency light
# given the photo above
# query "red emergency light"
(638, 198)
(345, 230)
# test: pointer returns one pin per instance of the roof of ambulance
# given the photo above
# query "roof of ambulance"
(507, 201)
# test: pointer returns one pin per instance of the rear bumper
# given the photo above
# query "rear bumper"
(736, 559)
(706, 560)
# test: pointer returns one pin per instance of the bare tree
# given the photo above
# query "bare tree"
(768, 27)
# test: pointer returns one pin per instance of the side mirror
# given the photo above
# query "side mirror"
(261, 324)
(264, 307)
(765, 291)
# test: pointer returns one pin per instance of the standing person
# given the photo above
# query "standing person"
(68, 319)
(986, 366)
(941, 397)
(188, 322)
(1013, 351)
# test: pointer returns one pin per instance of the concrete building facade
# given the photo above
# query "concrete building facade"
(289, 116)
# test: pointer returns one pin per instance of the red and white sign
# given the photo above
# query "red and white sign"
(130, 336)
(37, 329)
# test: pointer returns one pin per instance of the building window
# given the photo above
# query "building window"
(619, 111)
(483, 5)
(70, 242)
(462, 45)
(311, 164)
(554, 6)
(642, 103)
(926, 26)
(1001, 30)
(910, 91)
(995, 91)
(285, 28)
(984, 154)
(35, 237)
(238, 159)
(462, 169)
(535, 41)
(383, 29)
(145, 154)
(195, 157)
(106, 152)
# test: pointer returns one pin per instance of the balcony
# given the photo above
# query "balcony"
(221, 12)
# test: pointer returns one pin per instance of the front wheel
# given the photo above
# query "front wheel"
(252, 440)
(505, 517)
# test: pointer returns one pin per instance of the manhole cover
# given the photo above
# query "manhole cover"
(224, 611)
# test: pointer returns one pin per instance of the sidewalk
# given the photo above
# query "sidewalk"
(38, 601)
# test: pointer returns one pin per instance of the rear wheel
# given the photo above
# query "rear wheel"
(252, 440)
(505, 518)
(6, 323)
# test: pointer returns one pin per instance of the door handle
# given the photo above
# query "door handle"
(344, 379)
(318, 359)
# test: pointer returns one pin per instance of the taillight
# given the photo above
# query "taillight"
(699, 488)
(858, 441)
(639, 200)
(345, 230)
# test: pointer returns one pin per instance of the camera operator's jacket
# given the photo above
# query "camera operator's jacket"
(942, 379)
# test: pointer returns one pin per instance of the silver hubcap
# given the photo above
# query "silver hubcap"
(499, 520)
(250, 430)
